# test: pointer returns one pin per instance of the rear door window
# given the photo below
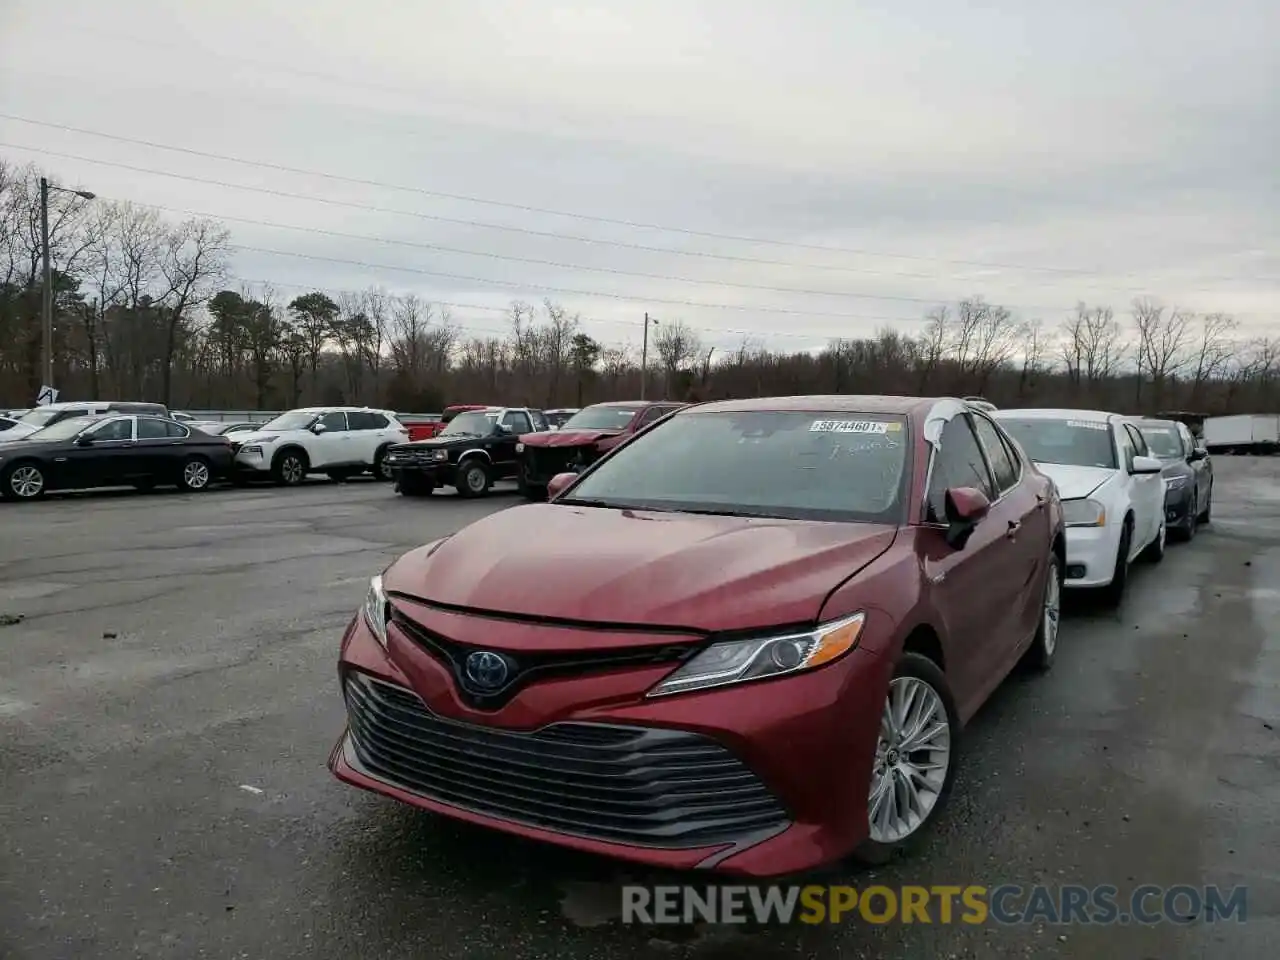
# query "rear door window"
(151, 429)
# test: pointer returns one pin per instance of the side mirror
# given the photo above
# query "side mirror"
(1146, 465)
(318, 428)
(84, 440)
(558, 483)
(966, 506)
(1198, 454)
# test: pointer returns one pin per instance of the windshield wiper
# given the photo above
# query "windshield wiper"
(587, 502)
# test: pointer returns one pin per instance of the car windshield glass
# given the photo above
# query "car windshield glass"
(1080, 443)
(38, 418)
(600, 418)
(1164, 442)
(293, 420)
(477, 423)
(63, 429)
(803, 466)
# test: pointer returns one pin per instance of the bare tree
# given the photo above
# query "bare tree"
(1213, 351)
(1163, 338)
(193, 260)
(676, 345)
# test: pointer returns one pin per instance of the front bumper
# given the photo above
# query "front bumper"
(1091, 555)
(539, 464)
(730, 779)
(252, 462)
(428, 473)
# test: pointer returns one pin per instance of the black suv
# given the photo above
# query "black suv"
(475, 449)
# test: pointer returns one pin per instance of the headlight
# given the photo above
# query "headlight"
(1175, 482)
(252, 448)
(439, 454)
(1084, 513)
(519, 448)
(733, 661)
(376, 609)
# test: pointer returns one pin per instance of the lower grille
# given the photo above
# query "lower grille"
(642, 786)
(543, 463)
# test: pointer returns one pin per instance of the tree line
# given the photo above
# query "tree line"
(146, 308)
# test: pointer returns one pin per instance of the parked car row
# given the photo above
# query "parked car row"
(743, 635)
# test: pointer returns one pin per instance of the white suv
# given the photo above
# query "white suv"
(338, 441)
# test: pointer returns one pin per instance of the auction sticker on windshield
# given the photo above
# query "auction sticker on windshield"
(852, 426)
(1087, 424)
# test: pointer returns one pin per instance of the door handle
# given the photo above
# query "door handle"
(1014, 527)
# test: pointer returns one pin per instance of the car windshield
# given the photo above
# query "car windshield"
(1164, 442)
(794, 465)
(38, 417)
(477, 423)
(293, 420)
(1079, 443)
(600, 418)
(63, 429)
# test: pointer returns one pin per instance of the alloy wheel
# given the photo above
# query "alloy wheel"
(291, 470)
(195, 475)
(913, 755)
(26, 482)
(1052, 610)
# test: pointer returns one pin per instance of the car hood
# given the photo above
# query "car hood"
(432, 443)
(1075, 482)
(261, 436)
(566, 438)
(1175, 467)
(641, 567)
(8, 447)
(17, 431)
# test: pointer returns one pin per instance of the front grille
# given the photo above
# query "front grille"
(408, 455)
(528, 666)
(543, 463)
(642, 786)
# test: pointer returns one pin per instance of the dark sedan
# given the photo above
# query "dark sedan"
(112, 451)
(1188, 475)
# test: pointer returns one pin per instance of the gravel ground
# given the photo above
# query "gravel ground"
(168, 699)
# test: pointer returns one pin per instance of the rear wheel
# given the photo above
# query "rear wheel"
(196, 475)
(23, 481)
(1040, 655)
(380, 468)
(473, 479)
(1154, 551)
(914, 763)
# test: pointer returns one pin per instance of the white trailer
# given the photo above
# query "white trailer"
(1243, 433)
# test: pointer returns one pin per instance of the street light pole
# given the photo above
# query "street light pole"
(46, 306)
(644, 356)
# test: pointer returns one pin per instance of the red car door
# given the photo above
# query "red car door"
(1024, 497)
(973, 587)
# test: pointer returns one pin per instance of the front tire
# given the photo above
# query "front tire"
(1154, 551)
(1113, 592)
(196, 475)
(1208, 506)
(23, 481)
(535, 492)
(289, 468)
(914, 764)
(473, 479)
(380, 470)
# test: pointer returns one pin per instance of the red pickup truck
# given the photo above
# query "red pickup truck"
(421, 428)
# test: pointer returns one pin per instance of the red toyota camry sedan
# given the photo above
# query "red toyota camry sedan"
(745, 640)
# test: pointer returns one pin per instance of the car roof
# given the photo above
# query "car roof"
(1155, 422)
(1054, 413)
(627, 404)
(339, 409)
(833, 403)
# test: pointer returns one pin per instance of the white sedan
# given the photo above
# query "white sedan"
(1111, 488)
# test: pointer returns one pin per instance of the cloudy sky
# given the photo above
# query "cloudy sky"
(789, 169)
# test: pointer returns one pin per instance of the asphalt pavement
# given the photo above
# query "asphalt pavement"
(168, 698)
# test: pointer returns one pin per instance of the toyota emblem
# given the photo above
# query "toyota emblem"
(486, 670)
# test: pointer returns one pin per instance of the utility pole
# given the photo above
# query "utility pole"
(644, 356)
(46, 306)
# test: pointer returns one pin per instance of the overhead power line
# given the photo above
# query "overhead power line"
(575, 215)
